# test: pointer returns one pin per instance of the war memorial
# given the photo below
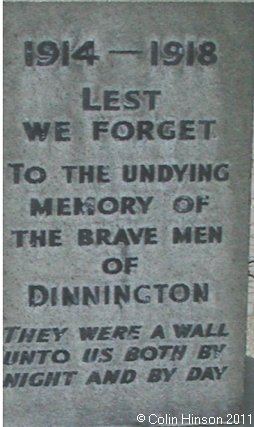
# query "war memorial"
(127, 169)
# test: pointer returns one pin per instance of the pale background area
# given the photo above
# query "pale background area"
(250, 349)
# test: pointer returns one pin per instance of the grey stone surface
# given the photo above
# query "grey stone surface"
(202, 282)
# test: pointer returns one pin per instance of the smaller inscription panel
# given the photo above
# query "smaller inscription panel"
(127, 188)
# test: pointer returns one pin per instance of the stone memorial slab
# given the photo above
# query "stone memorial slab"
(127, 188)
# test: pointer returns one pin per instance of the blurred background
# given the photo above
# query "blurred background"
(250, 346)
